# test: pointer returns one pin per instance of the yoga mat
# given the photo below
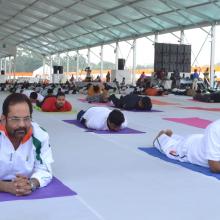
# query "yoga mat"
(36, 108)
(122, 131)
(135, 110)
(158, 102)
(109, 104)
(196, 122)
(201, 108)
(54, 189)
(193, 100)
(156, 153)
(96, 103)
(69, 112)
(76, 123)
(153, 110)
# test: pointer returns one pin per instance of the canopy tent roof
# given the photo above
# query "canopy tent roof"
(52, 26)
(43, 70)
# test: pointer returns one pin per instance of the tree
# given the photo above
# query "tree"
(27, 61)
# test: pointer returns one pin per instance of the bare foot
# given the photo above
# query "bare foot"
(169, 132)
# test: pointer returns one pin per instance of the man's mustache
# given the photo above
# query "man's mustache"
(20, 130)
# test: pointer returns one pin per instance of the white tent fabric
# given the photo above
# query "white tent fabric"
(42, 72)
(54, 26)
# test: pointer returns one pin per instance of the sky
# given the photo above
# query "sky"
(145, 48)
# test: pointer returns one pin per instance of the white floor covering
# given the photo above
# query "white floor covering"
(116, 181)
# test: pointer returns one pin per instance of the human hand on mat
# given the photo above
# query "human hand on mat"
(21, 185)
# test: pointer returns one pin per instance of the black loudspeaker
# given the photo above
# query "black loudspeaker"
(55, 69)
(121, 64)
(2, 72)
(60, 68)
(172, 57)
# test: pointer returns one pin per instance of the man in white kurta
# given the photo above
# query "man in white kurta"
(201, 149)
(25, 153)
(27, 92)
(98, 118)
(33, 158)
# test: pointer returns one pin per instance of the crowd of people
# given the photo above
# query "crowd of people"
(33, 162)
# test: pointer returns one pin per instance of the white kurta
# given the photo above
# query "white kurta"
(195, 148)
(24, 160)
(40, 98)
(96, 118)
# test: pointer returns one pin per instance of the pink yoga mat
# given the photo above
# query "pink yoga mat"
(196, 122)
(205, 109)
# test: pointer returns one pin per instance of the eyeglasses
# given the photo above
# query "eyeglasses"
(16, 120)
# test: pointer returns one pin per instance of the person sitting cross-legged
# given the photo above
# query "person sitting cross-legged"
(25, 153)
(97, 93)
(102, 118)
(200, 149)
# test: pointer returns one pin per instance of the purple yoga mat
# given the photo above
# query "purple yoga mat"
(96, 103)
(196, 122)
(54, 189)
(122, 131)
(75, 122)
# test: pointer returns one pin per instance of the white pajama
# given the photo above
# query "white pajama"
(196, 148)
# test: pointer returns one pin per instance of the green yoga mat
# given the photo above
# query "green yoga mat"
(74, 111)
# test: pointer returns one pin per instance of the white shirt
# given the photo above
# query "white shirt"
(40, 98)
(199, 148)
(196, 149)
(26, 160)
(207, 146)
(96, 118)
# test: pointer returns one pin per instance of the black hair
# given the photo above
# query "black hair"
(146, 103)
(88, 85)
(13, 99)
(33, 95)
(116, 117)
(60, 94)
(87, 68)
(50, 91)
(96, 88)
